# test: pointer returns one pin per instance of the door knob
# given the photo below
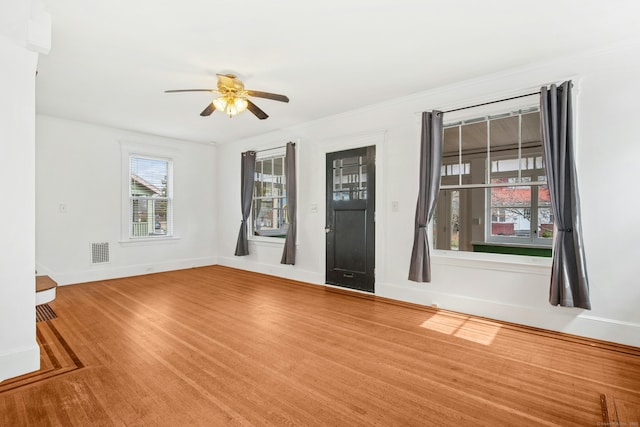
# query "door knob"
(327, 230)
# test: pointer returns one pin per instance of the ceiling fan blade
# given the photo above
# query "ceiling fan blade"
(190, 90)
(267, 95)
(256, 110)
(207, 111)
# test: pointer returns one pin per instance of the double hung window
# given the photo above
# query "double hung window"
(269, 205)
(493, 187)
(150, 197)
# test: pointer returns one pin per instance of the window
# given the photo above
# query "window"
(269, 207)
(493, 186)
(150, 198)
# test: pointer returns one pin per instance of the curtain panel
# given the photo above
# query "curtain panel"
(569, 283)
(429, 186)
(247, 176)
(289, 251)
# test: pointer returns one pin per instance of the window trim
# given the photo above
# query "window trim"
(132, 149)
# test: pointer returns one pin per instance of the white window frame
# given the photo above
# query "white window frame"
(261, 156)
(448, 176)
(146, 151)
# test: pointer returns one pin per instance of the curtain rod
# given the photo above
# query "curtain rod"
(491, 102)
(271, 149)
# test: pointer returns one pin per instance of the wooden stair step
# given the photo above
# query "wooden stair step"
(44, 283)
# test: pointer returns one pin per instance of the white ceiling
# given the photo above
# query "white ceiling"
(110, 61)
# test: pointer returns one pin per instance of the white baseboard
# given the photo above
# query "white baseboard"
(560, 319)
(106, 272)
(19, 362)
(280, 270)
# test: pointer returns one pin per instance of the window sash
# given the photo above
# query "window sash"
(270, 193)
(490, 150)
(533, 205)
(475, 163)
(147, 217)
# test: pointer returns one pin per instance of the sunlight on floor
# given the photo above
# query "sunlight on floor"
(465, 327)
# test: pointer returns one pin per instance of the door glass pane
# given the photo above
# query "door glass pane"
(337, 179)
(349, 179)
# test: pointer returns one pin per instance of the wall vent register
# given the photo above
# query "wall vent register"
(99, 252)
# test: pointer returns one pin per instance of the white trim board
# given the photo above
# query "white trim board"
(559, 319)
(566, 320)
(104, 272)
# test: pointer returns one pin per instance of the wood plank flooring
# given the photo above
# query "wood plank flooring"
(56, 358)
(217, 346)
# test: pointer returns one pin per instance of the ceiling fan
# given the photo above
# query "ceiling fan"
(234, 97)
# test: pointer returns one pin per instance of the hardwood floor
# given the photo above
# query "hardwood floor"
(216, 346)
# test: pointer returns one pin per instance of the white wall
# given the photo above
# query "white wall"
(79, 166)
(504, 287)
(19, 352)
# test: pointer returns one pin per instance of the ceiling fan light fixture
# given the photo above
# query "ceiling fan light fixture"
(221, 103)
(234, 98)
(240, 104)
(230, 105)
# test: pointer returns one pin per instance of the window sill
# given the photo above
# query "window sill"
(266, 241)
(146, 241)
(515, 244)
(529, 250)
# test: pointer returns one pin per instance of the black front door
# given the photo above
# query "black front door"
(350, 218)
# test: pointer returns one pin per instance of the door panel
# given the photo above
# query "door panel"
(350, 247)
(350, 242)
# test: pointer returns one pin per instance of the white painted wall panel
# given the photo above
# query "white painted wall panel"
(19, 352)
(79, 166)
(607, 93)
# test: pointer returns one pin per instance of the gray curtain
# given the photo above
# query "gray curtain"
(289, 251)
(569, 283)
(430, 167)
(247, 173)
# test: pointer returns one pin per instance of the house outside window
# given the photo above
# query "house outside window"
(493, 185)
(150, 197)
(269, 205)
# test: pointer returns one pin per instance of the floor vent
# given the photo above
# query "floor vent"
(99, 253)
(44, 312)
